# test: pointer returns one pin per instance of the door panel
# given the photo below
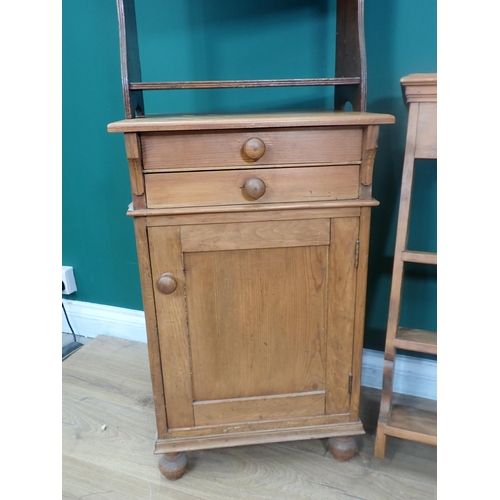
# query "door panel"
(267, 234)
(257, 321)
(306, 404)
(252, 334)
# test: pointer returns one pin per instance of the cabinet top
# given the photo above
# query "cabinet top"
(419, 87)
(160, 123)
(419, 79)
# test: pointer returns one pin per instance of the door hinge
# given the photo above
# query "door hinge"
(356, 254)
(350, 383)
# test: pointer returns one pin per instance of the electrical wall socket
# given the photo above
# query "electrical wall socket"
(68, 280)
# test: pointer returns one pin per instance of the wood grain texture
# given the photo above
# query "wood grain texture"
(115, 389)
(141, 239)
(217, 188)
(426, 146)
(420, 94)
(166, 256)
(268, 234)
(134, 158)
(169, 123)
(341, 309)
(370, 145)
(413, 339)
(217, 149)
(419, 87)
(257, 321)
(238, 84)
(278, 435)
(259, 408)
(419, 257)
(402, 230)
(359, 313)
(291, 425)
(247, 210)
(350, 53)
(412, 423)
(252, 216)
(130, 63)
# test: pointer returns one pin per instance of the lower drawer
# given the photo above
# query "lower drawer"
(240, 187)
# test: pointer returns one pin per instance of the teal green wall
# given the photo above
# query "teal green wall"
(224, 39)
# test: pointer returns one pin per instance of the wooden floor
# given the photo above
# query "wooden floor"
(109, 431)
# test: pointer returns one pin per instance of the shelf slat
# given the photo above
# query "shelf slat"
(420, 257)
(413, 424)
(232, 84)
(412, 339)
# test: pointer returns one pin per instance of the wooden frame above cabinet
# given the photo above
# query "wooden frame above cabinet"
(350, 63)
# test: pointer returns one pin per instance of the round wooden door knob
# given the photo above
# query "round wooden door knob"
(254, 148)
(166, 283)
(254, 188)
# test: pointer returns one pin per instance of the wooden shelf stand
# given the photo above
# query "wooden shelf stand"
(252, 233)
(350, 63)
(420, 94)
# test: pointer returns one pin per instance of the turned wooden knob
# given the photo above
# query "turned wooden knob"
(254, 148)
(166, 283)
(254, 188)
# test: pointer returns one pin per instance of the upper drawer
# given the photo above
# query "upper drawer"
(243, 187)
(213, 149)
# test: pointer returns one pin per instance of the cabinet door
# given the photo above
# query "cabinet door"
(259, 326)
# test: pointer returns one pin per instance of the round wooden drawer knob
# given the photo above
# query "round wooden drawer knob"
(254, 188)
(166, 283)
(254, 148)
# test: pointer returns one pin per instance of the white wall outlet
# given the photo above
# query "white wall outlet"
(68, 280)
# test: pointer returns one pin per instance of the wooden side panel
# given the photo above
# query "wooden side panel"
(166, 256)
(186, 189)
(341, 309)
(260, 408)
(359, 319)
(271, 234)
(350, 53)
(129, 57)
(141, 238)
(257, 321)
(185, 150)
(426, 146)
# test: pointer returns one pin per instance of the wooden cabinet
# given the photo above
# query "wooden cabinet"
(252, 234)
(254, 274)
(254, 298)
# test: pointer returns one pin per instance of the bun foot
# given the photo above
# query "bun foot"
(173, 465)
(342, 448)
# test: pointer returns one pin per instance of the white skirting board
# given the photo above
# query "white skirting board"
(413, 376)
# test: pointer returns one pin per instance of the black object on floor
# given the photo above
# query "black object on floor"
(70, 349)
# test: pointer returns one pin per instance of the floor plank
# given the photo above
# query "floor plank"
(107, 383)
